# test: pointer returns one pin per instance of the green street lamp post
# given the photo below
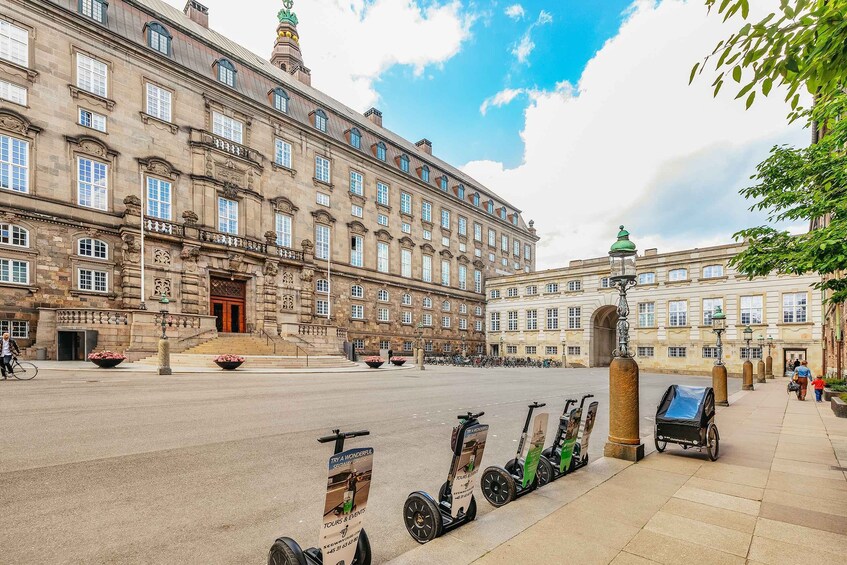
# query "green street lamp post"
(624, 417)
(420, 354)
(747, 369)
(501, 347)
(769, 360)
(760, 366)
(164, 349)
(719, 384)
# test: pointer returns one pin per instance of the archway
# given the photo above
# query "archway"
(603, 336)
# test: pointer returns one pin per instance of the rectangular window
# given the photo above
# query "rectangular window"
(530, 349)
(794, 307)
(93, 184)
(646, 315)
(511, 350)
(605, 282)
(527, 251)
(751, 353)
(574, 317)
(322, 307)
(382, 315)
(14, 43)
(677, 274)
(492, 238)
(320, 120)
(504, 242)
(322, 199)
(531, 290)
(712, 271)
(426, 268)
(463, 277)
(710, 352)
(14, 164)
(93, 281)
(13, 93)
(646, 351)
(382, 220)
(427, 235)
(357, 211)
(406, 263)
(357, 251)
(463, 323)
(358, 344)
(709, 307)
(495, 321)
(13, 271)
(282, 153)
(574, 350)
(18, 329)
(574, 286)
(321, 241)
(426, 211)
(532, 319)
(445, 219)
(382, 193)
(405, 203)
(227, 215)
(551, 288)
(446, 322)
(477, 232)
(94, 9)
(283, 230)
(228, 128)
(552, 318)
(647, 278)
(463, 226)
(676, 352)
(407, 346)
(678, 313)
(407, 317)
(751, 310)
(516, 248)
(426, 320)
(92, 120)
(357, 312)
(406, 228)
(159, 102)
(512, 318)
(551, 350)
(91, 75)
(322, 172)
(159, 198)
(445, 273)
(445, 241)
(477, 325)
(477, 281)
(494, 294)
(357, 183)
(382, 257)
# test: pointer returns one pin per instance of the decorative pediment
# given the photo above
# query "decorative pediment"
(283, 204)
(160, 167)
(463, 260)
(479, 264)
(446, 253)
(92, 146)
(427, 248)
(383, 235)
(323, 217)
(13, 122)
(229, 190)
(406, 241)
(357, 227)
(228, 172)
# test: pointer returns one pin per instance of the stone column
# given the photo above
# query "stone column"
(190, 280)
(719, 385)
(624, 426)
(760, 371)
(747, 375)
(769, 367)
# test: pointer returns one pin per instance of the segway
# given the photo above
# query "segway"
(343, 541)
(580, 448)
(501, 485)
(427, 519)
(560, 452)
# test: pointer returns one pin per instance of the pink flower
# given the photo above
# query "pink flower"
(374, 359)
(103, 355)
(229, 358)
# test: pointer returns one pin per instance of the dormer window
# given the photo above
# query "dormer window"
(425, 173)
(476, 200)
(356, 138)
(380, 151)
(490, 207)
(404, 163)
(159, 38)
(514, 219)
(320, 120)
(94, 9)
(279, 98)
(226, 72)
(444, 182)
(502, 213)
(460, 192)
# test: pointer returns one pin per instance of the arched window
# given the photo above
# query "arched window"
(476, 199)
(502, 213)
(460, 191)
(404, 163)
(444, 182)
(356, 138)
(490, 207)
(427, 302)
(14, 235)
(159, 38)
(322, 286)
(280, 99)
(382, 295)
(320, 120)
(407, 300)
(445, 306)
(380, 151)
(226, 72)
(95, 248)
(425, 173)
(356, 291)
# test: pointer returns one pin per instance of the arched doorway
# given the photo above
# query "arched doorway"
(603, 336)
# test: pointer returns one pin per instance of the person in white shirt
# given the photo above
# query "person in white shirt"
(8, 348)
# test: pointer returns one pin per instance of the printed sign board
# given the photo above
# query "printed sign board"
(469, 461)
(536, 446)
(590, 416)
(347, 490)
(570, 439)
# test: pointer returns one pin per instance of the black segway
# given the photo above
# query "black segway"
(348, 488)
(501, 485)
(427, 519)
(565, 434)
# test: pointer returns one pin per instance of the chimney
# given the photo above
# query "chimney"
(375, 116)
(425, 145)
(198, 13)
(651, 252)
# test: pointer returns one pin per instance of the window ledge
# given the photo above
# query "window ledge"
(18, 70)
(356, 198)
(158, 122)
(684, 281)
(677, 327)
(427, 225)
(31, 288)
(78, 292)
(707, 279)
(383, 207)
(321, 184)
(580, 291)
(78, 93)
(645, 285)
(795, 324)
(277, 167)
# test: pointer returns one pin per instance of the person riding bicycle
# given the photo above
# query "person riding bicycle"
(8, 348)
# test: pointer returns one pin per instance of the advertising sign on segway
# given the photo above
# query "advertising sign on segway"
(469, 460)
(347, 491)
(580, 456)
(536, 446)
(569, 440)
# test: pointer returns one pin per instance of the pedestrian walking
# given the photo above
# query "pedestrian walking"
(796, 364)
(8, 347)
(818, 385)
(801, 376)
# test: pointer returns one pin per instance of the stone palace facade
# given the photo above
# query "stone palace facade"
(143, 154)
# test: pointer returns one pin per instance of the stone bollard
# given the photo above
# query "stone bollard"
(420, 359)
(624, 434)
(760, 372)
(719, 385)
(164, 357)
(769, 367)
(747, 376)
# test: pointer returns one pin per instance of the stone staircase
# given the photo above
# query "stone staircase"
(260, 352)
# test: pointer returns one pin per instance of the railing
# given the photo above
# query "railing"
(231, 240)
(92, 317)
(309, 329)
(183, 321)
(228, 146)
(341, 332)
(268, 338)
(290, 254)
(161, 226)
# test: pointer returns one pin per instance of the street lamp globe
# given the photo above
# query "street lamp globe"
(761, 340)
(748, 334)
(718, 320)
(622, 257)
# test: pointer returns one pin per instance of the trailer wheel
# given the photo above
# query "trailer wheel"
(713, 442)
(422, 517)
(498, 486)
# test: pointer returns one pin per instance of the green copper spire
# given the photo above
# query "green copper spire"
(286, 15)
(623, 243)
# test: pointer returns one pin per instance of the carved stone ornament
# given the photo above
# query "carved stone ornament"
(428, 248)
(160, 167)
(357, 227)
(282, 204)
(463, 260)
(446, 253)
(270, 237)
(307, 246)
(93, 147)
(161, 257)
(130, 249)
(162, 287)
(236, 262)
(15, 123)
(189, 256)
(407, 242)
(229, 190)
(323, 217)
(287, 277)
(190, 218)
(270, 269)
(383, 235)
(287, 302)
(306, 275)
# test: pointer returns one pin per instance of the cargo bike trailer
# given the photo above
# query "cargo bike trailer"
(686, 416)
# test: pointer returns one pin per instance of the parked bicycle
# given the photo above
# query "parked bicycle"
(486, 361)
(22, 370)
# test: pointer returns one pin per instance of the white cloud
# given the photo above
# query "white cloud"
(523, 48)
(515, 11)
(349, 44)
(502, 98)
(633, 143)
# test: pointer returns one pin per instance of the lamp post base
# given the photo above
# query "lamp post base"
(624, 451)
(760, 372)
(164, 355)
(769, 367)
(747, 376)
(719, 385)
(624, 418)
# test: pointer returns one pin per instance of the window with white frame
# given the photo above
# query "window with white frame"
(408, 346)
(646, 314)
(280, 100)
(356, 138)
(13, 93)
(676, 352)
(94, 248)
(93, 281)
(94, 9)
(574, 317)
(226, 72)
(283, 230)
(92, 183)
(477, 325)
(574, 350)
(228, 128)
(382, 257)
(710, 352)
(551, 288)
(406, 299)
(426, 320)
(677, 275)
(426, 211)
(445, 306)
(159, 198)
(382, 193)
(531, 290)
(527, 252)
(17, 329)
(322, 170)
(605, 282)
(512, 320)
(532, 320)
(320, 120)
(552, 318)
(516, 248)
(356, 291)
(321, 307)
(492, 238)
(322, 199)
(504, 242)
(427, 235)
(359, 344)
(495, 321)
(357, 183)
(14, 43)
(14, 235)
(445, 272)
(445, 219)
(751, 353)
(477, 281)
(495, 293)
(463, 323)
(407, 317)
(406, 263)
(382, 220)
(227, 215)
(678, 313)
(92, 75)
(477, 232)
(426, 302)
(92, 120)
(381, 152)
(751, 309)
(404, 163)
(511, 350)
(14, 271)
(158, 38)
(357, 311)
(426, 268)
(794, 307)
(712, 271)
(405, 203)
(446, 322)
(463, 277)
(574, 286)
(282, 153)
(357, 251)
(530, 349)
(357, 210)
(406, 227)
(322, 286)
(647, 278)
(382, 315)
(551, 350)
(645, 351)
(512, 292)
(321, 241)
(463, 308)
(710, 305)
(463, 226)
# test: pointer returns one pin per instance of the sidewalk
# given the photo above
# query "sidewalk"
(777, 494)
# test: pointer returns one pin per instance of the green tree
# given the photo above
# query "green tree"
(799, 47)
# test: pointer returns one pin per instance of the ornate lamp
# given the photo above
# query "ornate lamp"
(748, 337)
(747, 369)
(719, 326)
(164, 314)
(622, 261)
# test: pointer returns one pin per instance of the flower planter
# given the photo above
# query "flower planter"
(229, 365)
(107, 363)
(829, 394)
(374, 364)
(398, 363)
(839, 407)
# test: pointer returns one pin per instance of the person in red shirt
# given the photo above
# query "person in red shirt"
(818, 383)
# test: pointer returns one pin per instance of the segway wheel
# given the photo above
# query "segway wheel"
(498, 486)
(422, 517)
(362, 556)
(286, 551)
(544, 472)
(713, 442)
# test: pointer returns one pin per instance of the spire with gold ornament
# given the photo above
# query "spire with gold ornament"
(286, 54)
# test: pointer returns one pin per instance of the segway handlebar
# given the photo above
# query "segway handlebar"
(537, 405)
(338, 434)
(470, 416)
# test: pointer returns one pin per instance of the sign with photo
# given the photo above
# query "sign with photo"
(536, 446)
(347, 490)
(590, 416)
(470, 460)
(570, 439)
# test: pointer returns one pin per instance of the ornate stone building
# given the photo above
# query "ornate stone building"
(143, 154)
(570, 313)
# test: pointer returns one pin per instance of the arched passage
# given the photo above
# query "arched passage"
(603, 335)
